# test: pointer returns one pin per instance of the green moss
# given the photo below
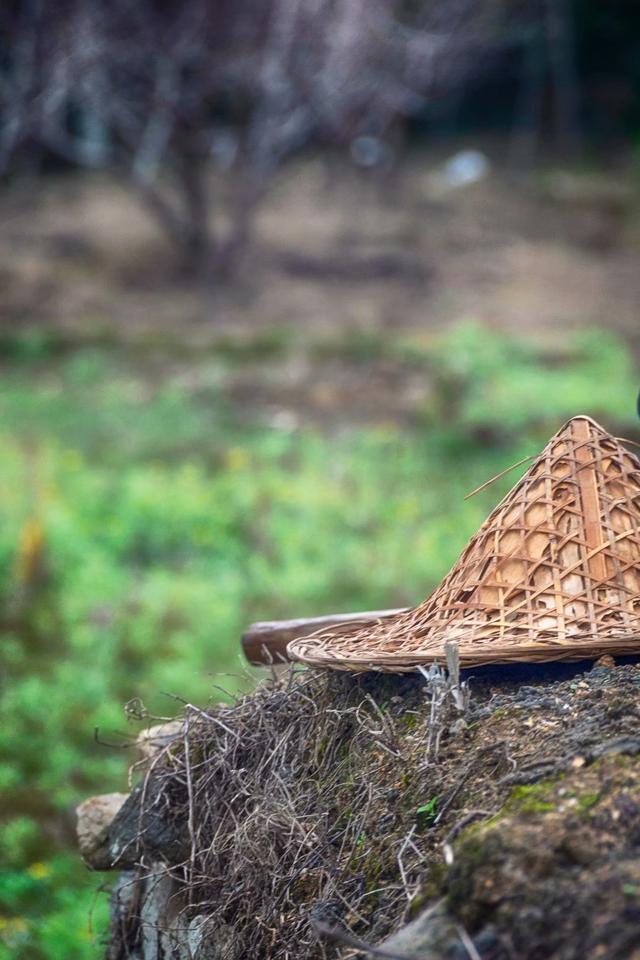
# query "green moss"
(430, 890)
(409, 721)
(499, 714)
(587, 801)
(478, 845)
(532, 798)
(623, 760)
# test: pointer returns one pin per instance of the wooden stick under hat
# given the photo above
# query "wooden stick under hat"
(266, 642)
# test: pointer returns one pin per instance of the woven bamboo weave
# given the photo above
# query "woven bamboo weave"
(552, 574)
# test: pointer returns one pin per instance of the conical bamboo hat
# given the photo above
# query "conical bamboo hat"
(552, 574)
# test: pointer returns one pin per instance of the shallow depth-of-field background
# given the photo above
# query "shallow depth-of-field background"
(181, 458)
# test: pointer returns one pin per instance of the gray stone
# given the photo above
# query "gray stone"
(94, 817)
(428, 937)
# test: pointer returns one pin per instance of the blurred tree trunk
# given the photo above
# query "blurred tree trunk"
(187, 222)
(197, 242)
(526, 124)
(564, 75)
(247, 193)
(149, 89)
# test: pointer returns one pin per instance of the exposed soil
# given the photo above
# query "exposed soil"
(331, 811)
(335, 255)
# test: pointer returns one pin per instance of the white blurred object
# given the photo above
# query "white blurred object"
(467, 166)
(224, 148)
(371, 152)
(284, 420)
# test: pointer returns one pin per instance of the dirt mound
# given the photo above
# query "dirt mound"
(330, 813)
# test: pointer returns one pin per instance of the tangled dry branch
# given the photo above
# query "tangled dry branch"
(276, 799)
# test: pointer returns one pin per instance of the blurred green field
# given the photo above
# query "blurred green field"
(146, 520)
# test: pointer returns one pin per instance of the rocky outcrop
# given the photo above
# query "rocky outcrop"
(331, 813)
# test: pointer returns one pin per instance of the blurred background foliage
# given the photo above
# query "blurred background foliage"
(143, 526)
(284, 421)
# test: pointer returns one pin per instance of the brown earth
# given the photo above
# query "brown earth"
(338, 261)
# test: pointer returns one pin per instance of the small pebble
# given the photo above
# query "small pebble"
(606, 660)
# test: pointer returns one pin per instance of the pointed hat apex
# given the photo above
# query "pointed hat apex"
(552, 574)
